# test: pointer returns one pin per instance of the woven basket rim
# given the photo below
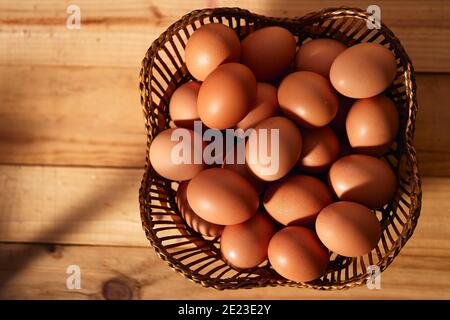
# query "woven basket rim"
(329, 13)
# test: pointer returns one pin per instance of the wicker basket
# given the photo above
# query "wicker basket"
(198, 258)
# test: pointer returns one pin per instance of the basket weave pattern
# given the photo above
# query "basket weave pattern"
(198, 258)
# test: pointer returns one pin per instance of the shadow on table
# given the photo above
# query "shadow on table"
(14, 259)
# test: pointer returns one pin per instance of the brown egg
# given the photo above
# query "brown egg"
(320, 149)
(308, 99)
(338, 123)
(265, 106)
(222, 196)
(192, 219)
(236, 162)
(297, 254)
(268, 52)
(296, 200)
(210, 46)
(363, 71)
(372, 125)
(364, 179)
(226, 96)
(348, 228)
(183, 105)
(245, 245)
(163, 150)
(269, 161)
(318, 55)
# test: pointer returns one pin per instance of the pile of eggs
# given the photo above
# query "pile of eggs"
(335, 122)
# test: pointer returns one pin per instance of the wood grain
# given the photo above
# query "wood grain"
(100, 206)
(70, 205)
(432, 139)
(118, 34)
(92, 117)
(73, 116)
(39, 272)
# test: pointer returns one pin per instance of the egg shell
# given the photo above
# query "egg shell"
(183, 105)
(161, 149)
(297, 254)
(372, 125)
(192, 219)
(268, 52)
(226, 96)
(363, 179)
(233, 162)
(348, 228)
(308, 99)
(363, 70)
(245, 245)
(320, 149)
(265, 106)
(222, 196)
(289, 148)
(210, 46)
(317, 55)
(296, 200)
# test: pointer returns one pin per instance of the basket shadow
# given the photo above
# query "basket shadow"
(15, 141)
(25, 116)
(26, 255)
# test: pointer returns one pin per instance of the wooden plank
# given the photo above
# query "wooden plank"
(71, 116)
(39, 272)
(118, 34)
(70, 205)
(432, 138)
(100, 206)
(92, 116)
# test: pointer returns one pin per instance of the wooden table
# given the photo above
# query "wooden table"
(72, 149)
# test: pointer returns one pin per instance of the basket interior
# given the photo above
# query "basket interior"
(198, 258)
